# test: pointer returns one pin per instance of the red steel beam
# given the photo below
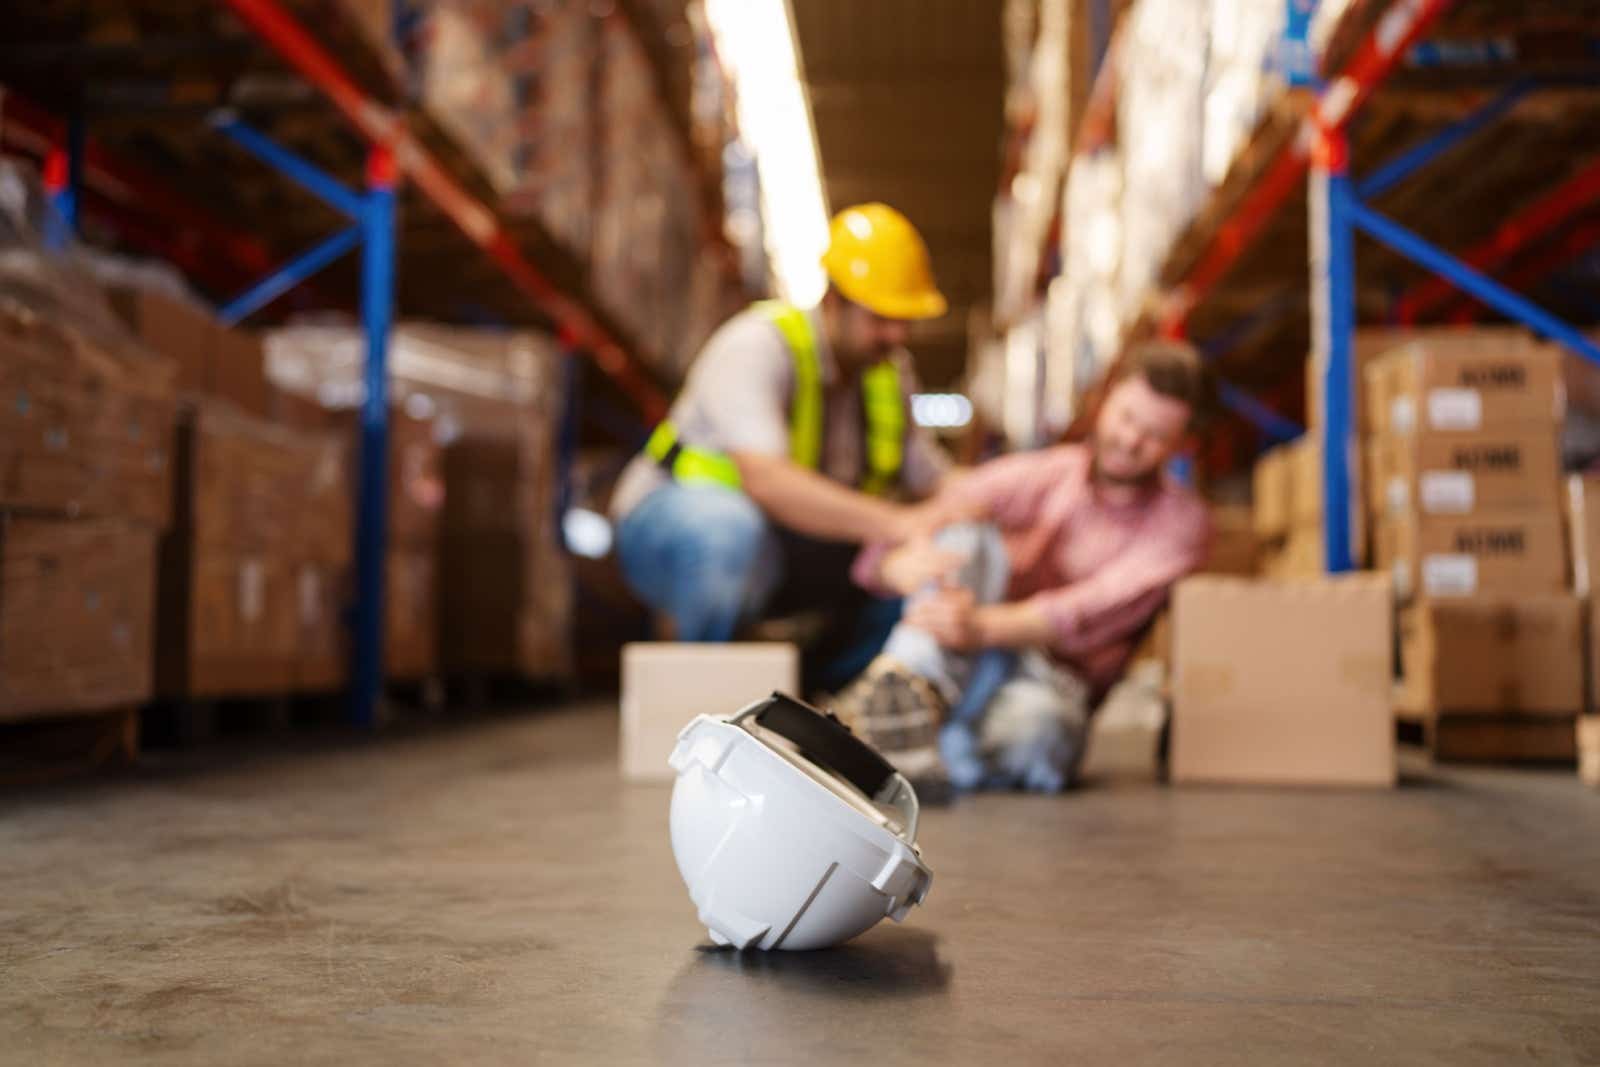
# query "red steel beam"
(124, 190)
(1385, 46)
(381, 125)
(1528, 225)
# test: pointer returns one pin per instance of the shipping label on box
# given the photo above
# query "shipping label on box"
(1455, 556)
(1472, 383)
(1282, 682)
(1460, 474)
(1492, 655)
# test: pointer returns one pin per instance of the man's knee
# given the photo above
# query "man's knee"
(968, 537)
(985, 568)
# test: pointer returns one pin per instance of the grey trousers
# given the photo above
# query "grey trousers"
(1018, 720)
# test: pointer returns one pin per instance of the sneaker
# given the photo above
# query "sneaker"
(899, 714)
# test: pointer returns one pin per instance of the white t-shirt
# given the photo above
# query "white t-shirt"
(737, 399)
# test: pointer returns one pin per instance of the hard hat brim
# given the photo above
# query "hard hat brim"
(910, 308)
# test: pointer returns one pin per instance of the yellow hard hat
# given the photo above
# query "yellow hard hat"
(877, 259)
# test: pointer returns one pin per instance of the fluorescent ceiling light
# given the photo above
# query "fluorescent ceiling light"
(755, 39)
(941, 410)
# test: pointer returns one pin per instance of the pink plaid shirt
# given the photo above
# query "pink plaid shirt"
(1099, 570)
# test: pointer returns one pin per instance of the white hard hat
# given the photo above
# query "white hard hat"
(789, 831)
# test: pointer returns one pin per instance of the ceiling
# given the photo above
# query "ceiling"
(907, 97)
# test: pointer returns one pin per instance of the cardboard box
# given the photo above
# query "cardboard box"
(1492, 655)
(322, 637)
(85, 422)
(226, 621)
(1512, 469)
(1302, 555)
(665, 685)
(1454, 556)
(1234, 544)
(416, 477)
(76, 606)
(1479, 380)
(1283, 682)
(1588, 739)
(411, 626)
(505, 604)
(1369, 346)
(1304, 458)
(1583, 512)
(1583, 517)
(185, 333)
(240, 376)
(1270, 494)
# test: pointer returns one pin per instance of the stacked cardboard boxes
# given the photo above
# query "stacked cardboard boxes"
(506, 590)
(416, 497)
(227, 620)
(213, 360)
(1287, 496)
(1465, 486)
(320, 564)
(1583, 504)
(85, 464)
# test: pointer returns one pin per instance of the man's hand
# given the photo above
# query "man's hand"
(954, 620)
(950, 616)
(916, 564)
(916, 521)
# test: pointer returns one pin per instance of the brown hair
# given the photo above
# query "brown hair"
(1173, 369)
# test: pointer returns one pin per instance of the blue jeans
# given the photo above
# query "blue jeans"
(704, 555)
(711, 559)
(1017, 720)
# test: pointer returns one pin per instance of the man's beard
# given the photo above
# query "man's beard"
(1143, 480)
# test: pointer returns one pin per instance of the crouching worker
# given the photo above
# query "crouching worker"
(1019, 621)
(789, 447)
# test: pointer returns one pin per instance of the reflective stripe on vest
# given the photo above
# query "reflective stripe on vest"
(882, 401)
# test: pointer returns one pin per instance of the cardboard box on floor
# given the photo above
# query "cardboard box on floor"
(1283, 682)
(1589, 750)
(1491, 655)
(1459, 556)
(665, 685)
(1516, 468)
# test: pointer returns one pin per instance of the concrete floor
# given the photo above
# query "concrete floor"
(490, 894)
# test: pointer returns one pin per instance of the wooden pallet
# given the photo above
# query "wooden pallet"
(1478, 738)
(44, 751)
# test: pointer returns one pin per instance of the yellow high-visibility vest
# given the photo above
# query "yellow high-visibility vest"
(882, 401)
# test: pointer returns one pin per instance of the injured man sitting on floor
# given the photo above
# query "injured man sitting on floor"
(1018, 620)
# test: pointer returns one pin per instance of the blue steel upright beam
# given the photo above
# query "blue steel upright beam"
(1332, 323)
(377, 302)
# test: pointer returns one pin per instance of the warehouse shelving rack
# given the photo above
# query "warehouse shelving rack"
(349, 88)
(1444, 76)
